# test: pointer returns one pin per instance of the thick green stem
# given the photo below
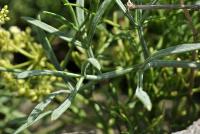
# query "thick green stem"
(112, 74)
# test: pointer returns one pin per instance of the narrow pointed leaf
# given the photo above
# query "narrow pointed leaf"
(66, 104)
(30, 73)
(48, 49)
(95, 63)
(60, 18)
(42, 105)
(121, 5)
(49, 29)
(84, 68)
(52, 57)
(70, 11)
(80, 12)
(26, 125)
(125, 11)
(174, 63)
(63, 107)
(97, 18)
(176, 50)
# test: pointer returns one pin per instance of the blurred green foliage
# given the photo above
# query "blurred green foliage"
(19, 8)
(108, 106)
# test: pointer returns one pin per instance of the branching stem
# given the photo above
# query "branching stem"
(132, 6)
(109, 75)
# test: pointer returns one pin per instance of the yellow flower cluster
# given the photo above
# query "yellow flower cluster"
(4, 14)
(14, 37)
(14, 41)
(34, 88)
(14, 45)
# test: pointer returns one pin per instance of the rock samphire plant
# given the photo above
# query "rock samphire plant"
(106, 40)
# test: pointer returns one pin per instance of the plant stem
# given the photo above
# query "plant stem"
(163, 7)
(113, 74)
(67, 57)
(78, 33)
(52, 57)
(194, 53)
(21, 65)
(176, 64)
(71, 11)
(2, 69)
(143, 42)
(23, 52)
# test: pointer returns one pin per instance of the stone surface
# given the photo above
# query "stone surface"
(192, 129)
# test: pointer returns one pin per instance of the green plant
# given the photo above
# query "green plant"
(97, 52)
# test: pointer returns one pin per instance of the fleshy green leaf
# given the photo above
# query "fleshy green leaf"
(48, 49)
(63, 107)
(49, 29)
(143, 97)
(70, 11)
(52, 57)
(31, 73)
(176, 50)
(84, 68)
(26, 125)
(41, 106)
(60, 18)
(66, 104)
(125, 11)
(95, 63)
(173, 63)
(86, 64)
(97, 18)
(80, 12)
(121, 5)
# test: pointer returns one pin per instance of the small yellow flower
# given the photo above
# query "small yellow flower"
(4, 14)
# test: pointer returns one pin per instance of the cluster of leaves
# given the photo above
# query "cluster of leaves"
(101, 38)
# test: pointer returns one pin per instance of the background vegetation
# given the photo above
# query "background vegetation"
(106, 105)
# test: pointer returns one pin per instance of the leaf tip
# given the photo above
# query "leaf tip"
(144, 98)
(54, 116)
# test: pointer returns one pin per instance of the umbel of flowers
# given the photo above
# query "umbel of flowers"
(4, 14)
(17, 42)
